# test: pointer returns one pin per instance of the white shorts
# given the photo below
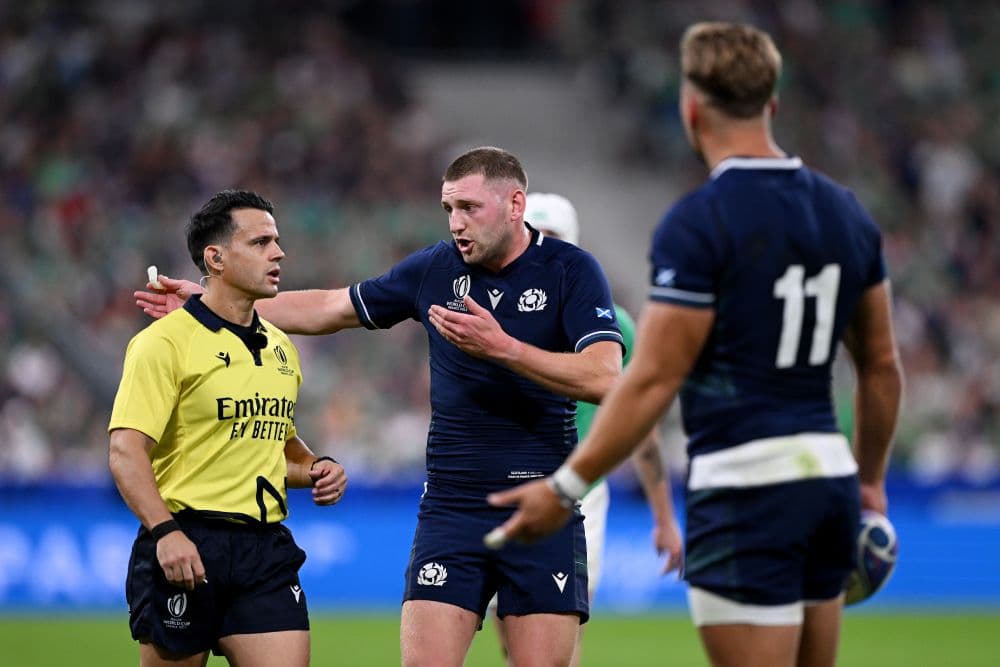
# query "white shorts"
(595, 522)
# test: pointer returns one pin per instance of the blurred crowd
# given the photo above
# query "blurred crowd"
(117, 120)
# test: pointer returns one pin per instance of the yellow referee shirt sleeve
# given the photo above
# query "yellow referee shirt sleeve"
(150, 387)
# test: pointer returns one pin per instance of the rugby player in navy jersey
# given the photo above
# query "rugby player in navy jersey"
(520, 326)
(756, 276)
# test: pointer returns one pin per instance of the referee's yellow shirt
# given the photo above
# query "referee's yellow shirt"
(219, 400)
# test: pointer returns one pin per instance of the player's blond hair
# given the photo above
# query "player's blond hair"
(736, 66)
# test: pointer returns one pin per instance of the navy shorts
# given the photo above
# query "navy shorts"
(449, 562)
(253, 586)
(775, 544)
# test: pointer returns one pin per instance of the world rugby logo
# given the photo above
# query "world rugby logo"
(432, 574)
(532, 300)
(461, 286)
(177, 605)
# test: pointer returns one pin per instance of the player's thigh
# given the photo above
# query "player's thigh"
(541, 640)
(289, 648)
(435, 633)
(151, 655)
(821, 633)
(745, 645)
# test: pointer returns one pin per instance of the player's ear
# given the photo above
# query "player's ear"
(772, 107)
(518, 202)
(213, 257)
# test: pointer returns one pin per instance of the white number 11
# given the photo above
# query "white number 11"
(791, 287)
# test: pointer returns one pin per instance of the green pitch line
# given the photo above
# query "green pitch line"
(882, 640)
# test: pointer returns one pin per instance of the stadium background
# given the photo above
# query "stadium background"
(118, 119)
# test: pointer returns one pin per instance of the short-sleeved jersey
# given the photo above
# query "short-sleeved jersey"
(585, 411)
(489, 424)
(219, 400)
(783, 255)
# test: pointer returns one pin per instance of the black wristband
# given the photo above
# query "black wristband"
(324, 458)
(162, 529)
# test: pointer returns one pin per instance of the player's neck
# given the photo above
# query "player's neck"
(749, 138)
(518, 245)
(235, 307)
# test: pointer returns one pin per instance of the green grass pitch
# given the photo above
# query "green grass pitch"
(880, 640)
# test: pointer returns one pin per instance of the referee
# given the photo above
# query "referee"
(203, 447)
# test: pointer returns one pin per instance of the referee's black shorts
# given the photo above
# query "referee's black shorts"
(253, 586)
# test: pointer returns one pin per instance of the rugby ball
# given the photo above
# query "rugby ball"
(877, 549)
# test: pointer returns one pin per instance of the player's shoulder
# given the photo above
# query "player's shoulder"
(553, 250)
(175, 325)
(170, 332)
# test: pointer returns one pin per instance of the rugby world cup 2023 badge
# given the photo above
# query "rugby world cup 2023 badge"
(176, 606)
(460, 287)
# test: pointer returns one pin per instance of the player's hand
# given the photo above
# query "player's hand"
(476, 332)
(538, 515)
(873, 498)
(158, 302)
(668, 542)
(180, 560)
(329, 482)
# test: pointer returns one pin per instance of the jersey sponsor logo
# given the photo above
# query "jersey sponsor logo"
(460, 287)
(532, 300)
(495, 296)
(665, 277)
(243, 412)
(604, 313)
(560, 579)
(224, 356)
(296, 591)
(176, 606)
(432, 574)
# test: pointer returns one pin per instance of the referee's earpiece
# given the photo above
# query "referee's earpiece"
(217, 258)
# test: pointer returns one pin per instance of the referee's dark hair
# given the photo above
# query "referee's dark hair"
(214, 224)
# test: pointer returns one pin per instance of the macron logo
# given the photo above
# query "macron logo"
(495, 296)
(560, 579)
(297, 592)
(665, 277)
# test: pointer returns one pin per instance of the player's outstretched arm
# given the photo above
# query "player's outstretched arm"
(871, 343)
(299, 312)
(310, 312)
(656, 486)
(584, 376)
(326, 477)
(133, 475)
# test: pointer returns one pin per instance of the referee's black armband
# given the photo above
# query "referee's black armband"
(165, 528)
(323, 458)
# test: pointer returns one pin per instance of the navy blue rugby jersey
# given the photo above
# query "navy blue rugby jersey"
(783, 255)
(489, 424)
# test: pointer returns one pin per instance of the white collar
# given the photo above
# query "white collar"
(756, 163)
